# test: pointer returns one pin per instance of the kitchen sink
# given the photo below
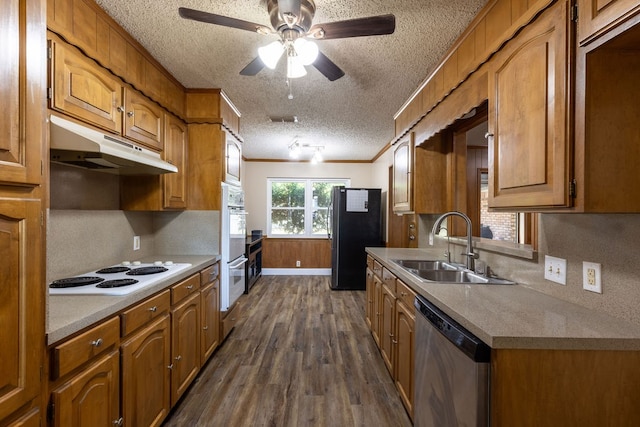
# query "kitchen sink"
(412, 264)
(459, 276)
(447, 272)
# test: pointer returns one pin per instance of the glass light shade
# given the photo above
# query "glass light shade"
(295, 68)
(271, 53)
(306, 50)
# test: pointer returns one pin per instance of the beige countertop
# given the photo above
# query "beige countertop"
(68, 314)
(515, 316)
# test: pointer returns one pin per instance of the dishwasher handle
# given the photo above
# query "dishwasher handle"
(464, 340)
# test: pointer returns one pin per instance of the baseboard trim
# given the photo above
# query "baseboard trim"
(296, 271)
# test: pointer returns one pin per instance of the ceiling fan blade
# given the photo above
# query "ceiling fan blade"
(327, 67)
(253, 67)
(225, 21)
(371, 26)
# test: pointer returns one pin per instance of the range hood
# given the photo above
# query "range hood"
(78, 145)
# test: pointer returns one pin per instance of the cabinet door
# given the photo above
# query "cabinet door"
(402, 175)
(375, 319)
(185, 345)
(210, 320)
(143, 120)
(369, 308)
(146, 375)
(387, 330)
(21, 303)
(83, 89)
(175, 152)
(90, 398)
(22, 85)
(404, 337)
(599, 16)
(233, 160)
(529, 116)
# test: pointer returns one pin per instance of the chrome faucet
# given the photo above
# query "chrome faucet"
(471, 256)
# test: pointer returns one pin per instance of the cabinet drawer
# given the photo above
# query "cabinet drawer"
(389, 279)
(209, 274)
(405, 294)
(144, 312)
(377, 269)
(185, 288)
(79, 350)
(370, 262)
(231, 319)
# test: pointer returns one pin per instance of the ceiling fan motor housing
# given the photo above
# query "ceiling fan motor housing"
(301, 24)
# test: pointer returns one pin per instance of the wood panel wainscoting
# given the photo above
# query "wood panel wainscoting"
(283, 253)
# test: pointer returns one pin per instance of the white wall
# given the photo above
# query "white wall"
(255, 174)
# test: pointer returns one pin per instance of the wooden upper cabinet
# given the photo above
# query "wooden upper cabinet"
(84, 90)
(143, 120)
(22, 85)
(529, 116)
(175, 152)
(596, 17)
(22, 296)
(403, 174)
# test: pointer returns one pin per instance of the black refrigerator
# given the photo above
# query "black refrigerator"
(355, 222)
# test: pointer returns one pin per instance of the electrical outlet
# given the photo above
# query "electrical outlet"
(555, 269)
(591, 277)
(297, 263)
(136, 243)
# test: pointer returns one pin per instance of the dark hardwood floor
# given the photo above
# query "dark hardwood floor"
(302, 355)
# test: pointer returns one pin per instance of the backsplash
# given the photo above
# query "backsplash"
(610, 240)
(82, 240)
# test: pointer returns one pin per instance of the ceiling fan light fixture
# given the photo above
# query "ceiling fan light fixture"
(271, 53)
(295, 69)
(306, 50)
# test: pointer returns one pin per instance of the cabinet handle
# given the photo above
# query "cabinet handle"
(190, 287)
(170, 366)
(205, 328)
(130, 114)
(412, 237)
(390, 334)
(394, 341)
(118, 422)
(120, 110)
(97, 343)
(178, 358)
(488, 135)
(153, 309)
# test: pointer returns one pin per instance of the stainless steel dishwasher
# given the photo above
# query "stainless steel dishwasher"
(451, 372)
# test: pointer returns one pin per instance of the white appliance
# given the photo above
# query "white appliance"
(232, 241)
(121, 279)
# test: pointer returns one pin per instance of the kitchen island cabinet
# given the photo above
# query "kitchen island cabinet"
(550, 359)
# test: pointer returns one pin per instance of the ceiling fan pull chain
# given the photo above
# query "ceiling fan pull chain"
(290, 95)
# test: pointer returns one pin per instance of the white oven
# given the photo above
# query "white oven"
(232, 241)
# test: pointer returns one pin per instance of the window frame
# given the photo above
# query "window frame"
(308, 205)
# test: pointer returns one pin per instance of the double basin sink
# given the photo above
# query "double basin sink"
(447, 272)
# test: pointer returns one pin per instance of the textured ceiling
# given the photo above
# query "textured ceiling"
(351, 117)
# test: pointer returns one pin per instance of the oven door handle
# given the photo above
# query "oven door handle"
(238, 263)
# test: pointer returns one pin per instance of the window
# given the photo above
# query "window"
(299, 207)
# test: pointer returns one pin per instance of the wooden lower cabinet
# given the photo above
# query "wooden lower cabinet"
(405, 320)
(146, 374)
(91, 398)
(209, 320)
(32, 418)
(185, 345)
(392, 322)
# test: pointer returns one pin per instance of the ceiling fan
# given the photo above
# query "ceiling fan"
(292, 21)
